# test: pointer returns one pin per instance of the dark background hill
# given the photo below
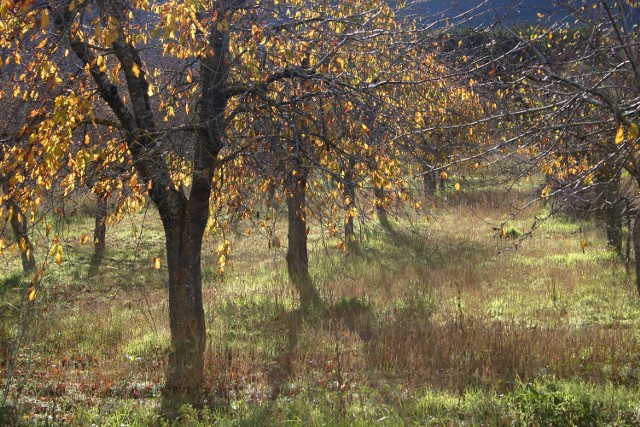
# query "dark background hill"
(479, 13)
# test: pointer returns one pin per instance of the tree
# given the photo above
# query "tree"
(582, 80)
(149, 63)
(11, 137)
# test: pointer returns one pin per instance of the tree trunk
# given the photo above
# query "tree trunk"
(185, 373)
(184, 222)
(381, 209)
(613, 214)
(21, 234)
(350, 202)
(297, 254)
(429, 181)
(636, 249)
(184, 218)
(100, 229)
(443, 184)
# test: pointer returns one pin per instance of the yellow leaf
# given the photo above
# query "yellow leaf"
(157, 263)
(23, 244)
(44, 19)
(633, 131)
(84, 239)
(100, 63)
(223, 26)
(135, 69)
(32, 293)
(620, 135)
(3, 244)
(457, 186)
(59, 258)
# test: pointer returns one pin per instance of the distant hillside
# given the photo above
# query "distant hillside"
(512, 12)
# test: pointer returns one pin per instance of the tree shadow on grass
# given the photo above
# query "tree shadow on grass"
(409, 246)
(95, 262)
(348, 314)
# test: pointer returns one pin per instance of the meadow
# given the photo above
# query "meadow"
(437, 320)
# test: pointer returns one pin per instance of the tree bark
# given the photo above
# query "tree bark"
(297, 253)
(184, 230)
(100, 229)
(21, 234)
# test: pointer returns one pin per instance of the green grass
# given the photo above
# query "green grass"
(543, 402)
(436, 322)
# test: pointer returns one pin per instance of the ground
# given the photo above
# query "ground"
(438, 321)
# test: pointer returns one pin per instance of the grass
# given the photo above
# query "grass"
(437, 322)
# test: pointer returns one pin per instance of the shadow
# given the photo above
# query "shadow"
(280, 373)
(348, 313)
(95, 263)
(385, 223)
(354, 315)
(10, 282)
(409, 246)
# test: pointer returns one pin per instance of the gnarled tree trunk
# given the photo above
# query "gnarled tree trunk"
(297, 253)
